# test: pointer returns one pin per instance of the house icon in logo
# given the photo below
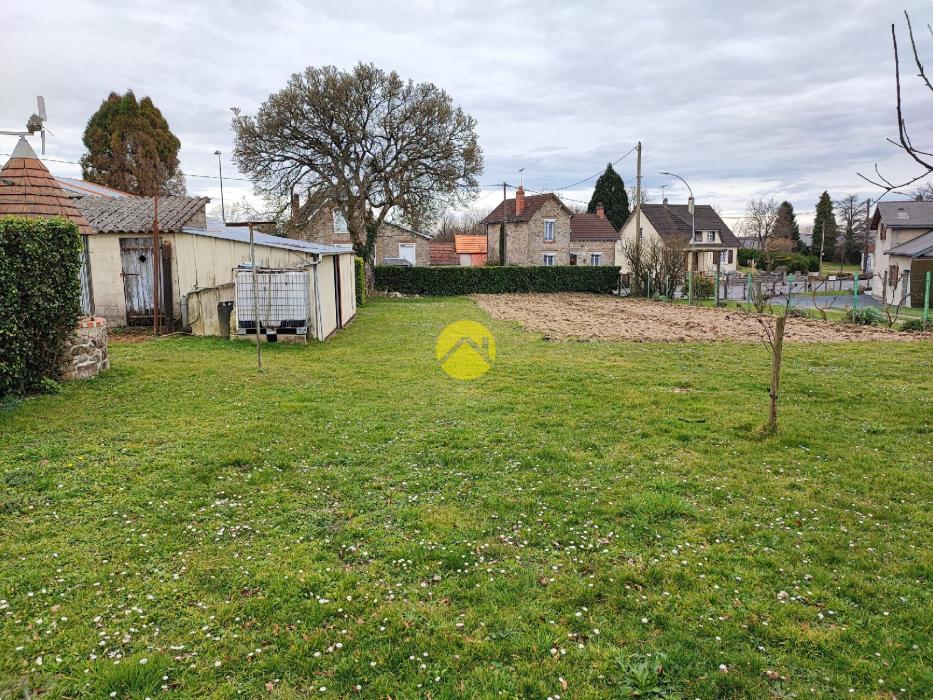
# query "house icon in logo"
(465, 350)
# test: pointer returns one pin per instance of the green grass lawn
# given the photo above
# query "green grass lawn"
(354, 523)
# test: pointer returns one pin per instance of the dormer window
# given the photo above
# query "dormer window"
(697, 236)
(340, 223)
(710, 236)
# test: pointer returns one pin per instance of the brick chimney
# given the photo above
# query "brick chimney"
(600, 210)
(296, 205)
(519, 201)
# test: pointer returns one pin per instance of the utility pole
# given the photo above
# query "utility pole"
(635, 274)
(865, 244)
(156, 267)
(220, 171)
(822, 244)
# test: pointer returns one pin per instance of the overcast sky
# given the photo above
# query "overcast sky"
(742, 98)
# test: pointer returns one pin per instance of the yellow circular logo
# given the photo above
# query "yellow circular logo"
(465, 349)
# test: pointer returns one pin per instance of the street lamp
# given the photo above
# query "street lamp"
(691, 205)
(220, 170)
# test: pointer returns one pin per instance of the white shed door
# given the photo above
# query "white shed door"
(406, 251)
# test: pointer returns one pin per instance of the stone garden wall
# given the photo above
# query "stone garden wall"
(86, 350)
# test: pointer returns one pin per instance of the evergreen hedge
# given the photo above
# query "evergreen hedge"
(40, 292)
(452, 281)
(360, 280)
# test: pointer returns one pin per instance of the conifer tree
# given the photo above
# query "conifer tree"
(824, 216)
(785, 226)
(131, 148)
(610, 192)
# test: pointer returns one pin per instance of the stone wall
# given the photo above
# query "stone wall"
(86, 352)
(582, 250)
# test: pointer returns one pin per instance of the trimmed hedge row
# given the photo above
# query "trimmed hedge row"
(360, 268)
(452, 281)
(40, 292)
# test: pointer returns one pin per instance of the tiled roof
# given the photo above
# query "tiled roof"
(470, 244)
(591, 227)
(134, 214)
(921, 246)
(28, 189)
(673, 221)
(533, 202)
(443, 253)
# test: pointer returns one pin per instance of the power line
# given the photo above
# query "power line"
(212, 177)
(615, 162)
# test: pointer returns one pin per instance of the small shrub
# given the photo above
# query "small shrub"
(453, 281)
(867, 316)
(40, 260)
(917, 325)
(746, 255)
(702, 288)
(360, 280)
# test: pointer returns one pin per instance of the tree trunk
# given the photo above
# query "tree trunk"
(776, 371)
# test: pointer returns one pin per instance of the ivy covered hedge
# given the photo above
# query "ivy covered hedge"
(40, 291)
(451, 281)
(360, 270)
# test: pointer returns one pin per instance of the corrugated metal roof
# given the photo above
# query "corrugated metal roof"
(82, 188)
(135, 214)
(218, 229)
(915, 248)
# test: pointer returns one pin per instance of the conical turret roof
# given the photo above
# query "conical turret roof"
(28, 189)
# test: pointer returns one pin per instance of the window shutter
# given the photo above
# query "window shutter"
(731, 252)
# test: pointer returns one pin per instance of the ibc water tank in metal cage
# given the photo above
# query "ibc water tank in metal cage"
(282, 297)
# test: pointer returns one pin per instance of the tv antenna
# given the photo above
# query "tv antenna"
(35, 123)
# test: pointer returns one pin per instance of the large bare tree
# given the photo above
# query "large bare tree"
(761, 215)
(374, 144)
(922, 157)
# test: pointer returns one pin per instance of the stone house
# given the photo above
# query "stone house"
(903, 251)
(541, 230)
(317, 222)
(671, 225)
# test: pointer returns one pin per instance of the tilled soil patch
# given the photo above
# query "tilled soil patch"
(594, 317)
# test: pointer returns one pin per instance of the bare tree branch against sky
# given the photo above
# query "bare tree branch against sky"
(765, 100)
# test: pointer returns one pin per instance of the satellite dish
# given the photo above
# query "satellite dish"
(35, 123)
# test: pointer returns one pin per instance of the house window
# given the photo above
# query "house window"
(882, 232)
(549, 259)
(697, 236)
(724, 256)
(731, 252)
(340, 223)
(596, 258)
(406, 251)
(549, 229)
(710, 236)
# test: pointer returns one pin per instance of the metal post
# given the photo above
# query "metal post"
(855, 292)
(156, 267)
(252, 261)
(716, 286)
(926, 298)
